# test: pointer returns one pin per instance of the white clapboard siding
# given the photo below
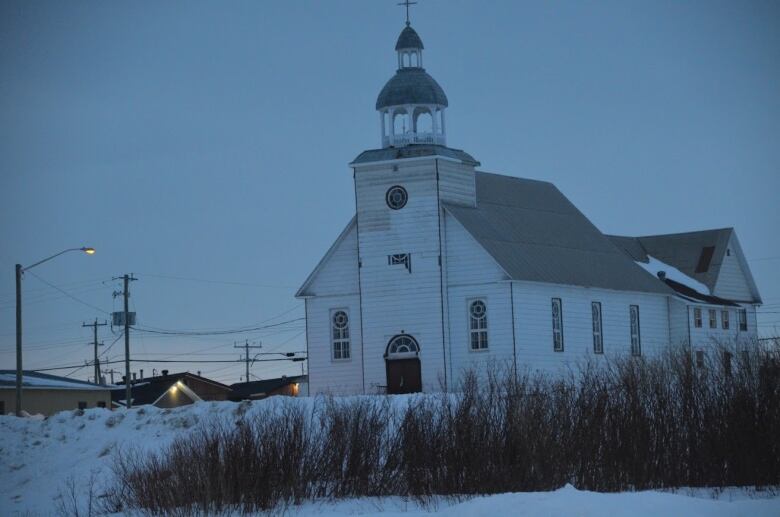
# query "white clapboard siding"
(338, 274)
(457, 183)
(705, 337)
(679, 321)
(327, 376)
(467, 262)
(732, 282)
(533, 321)
(500, 351)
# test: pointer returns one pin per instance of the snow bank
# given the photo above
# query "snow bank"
(565, 502)
(38, 457)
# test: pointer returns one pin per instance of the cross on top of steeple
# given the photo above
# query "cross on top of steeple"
(407, 3)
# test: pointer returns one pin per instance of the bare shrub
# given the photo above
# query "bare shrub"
(626, 424)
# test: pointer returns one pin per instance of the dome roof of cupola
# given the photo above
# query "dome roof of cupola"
(411, 86)
(409, 39)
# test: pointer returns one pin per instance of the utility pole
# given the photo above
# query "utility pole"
(95, 342)
(111, 372)
(126, 294)
(19, 371)
(246, 346)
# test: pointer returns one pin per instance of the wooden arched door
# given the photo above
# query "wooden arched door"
(402, 365)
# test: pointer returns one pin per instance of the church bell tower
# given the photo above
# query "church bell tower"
(401, 193)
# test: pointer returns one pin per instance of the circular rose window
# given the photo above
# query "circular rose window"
(396, 197)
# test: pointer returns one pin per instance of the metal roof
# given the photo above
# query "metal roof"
(536, 234)
(409, 39)
(37, 380)
(411, 86)
(681, 250)
(413, 151)
(264, 387)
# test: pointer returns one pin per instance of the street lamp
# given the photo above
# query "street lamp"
(19, 271)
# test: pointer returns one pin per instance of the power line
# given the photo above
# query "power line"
(67, 293)
(152, 361)
(284, 313)
(216, 332)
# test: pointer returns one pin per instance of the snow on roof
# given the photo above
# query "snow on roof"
(654, 266)
(36, 380)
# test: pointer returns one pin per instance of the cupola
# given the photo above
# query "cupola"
(411, 105)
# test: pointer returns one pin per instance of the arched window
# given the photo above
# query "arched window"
(402, 344)
(399, 123)
(424, 122)
(478, 328)
(340, 334)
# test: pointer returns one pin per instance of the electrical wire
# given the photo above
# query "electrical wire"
(67, 293)
(216, 332)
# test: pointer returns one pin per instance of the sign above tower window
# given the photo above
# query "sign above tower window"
(396, 197)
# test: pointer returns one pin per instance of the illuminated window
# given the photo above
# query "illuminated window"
(478, 332)
(697, 317)
(598, 337)
(557, 321)
(340, 331)
(636, 340)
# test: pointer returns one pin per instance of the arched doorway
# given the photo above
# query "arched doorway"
(402, 365)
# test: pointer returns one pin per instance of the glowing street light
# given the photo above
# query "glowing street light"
(19, 271)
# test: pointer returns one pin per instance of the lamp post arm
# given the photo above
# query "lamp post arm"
(53, 256)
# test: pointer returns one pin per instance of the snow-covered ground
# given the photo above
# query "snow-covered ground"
(37, 457)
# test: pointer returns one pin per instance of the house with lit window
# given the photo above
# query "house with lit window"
(445, 268)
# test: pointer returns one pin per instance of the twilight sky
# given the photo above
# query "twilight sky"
(203, 146)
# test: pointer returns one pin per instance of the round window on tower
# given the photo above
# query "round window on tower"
(396, 197)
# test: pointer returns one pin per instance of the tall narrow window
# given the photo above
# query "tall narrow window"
(478, 332)
(697, 317)
(700, 358)
(598, 338)
(557, 321)
(742, 319)
(724, 319)
(636, 339)
(713, 318)
(340, 332)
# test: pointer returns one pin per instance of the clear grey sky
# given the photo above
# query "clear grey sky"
(210, 141)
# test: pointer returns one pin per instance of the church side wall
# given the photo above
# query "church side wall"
(533, 324)
(326, 375)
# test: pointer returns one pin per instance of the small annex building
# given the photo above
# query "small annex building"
(445, 268)
(171, 390)
(44, 394)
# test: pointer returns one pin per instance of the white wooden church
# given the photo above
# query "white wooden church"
(445, 267)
